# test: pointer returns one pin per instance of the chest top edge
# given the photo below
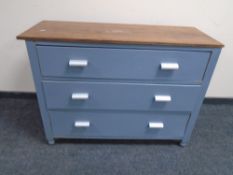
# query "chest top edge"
(112, 33)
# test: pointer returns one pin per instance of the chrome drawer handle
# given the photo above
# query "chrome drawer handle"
(82, 124)
(156, 125)
(78, 63)
(163, 98)
(169, 66)
(80, 96)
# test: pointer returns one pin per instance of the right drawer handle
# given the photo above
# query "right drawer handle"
(156, 125)
(163, 98)
(78, 63)
(80, 96)
(82, 124)
(169, 66)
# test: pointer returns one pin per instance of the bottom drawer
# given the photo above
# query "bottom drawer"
(118, 125)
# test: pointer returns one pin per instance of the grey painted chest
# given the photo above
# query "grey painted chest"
(115, 81)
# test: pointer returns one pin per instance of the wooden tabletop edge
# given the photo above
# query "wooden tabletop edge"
(29, 35)
(216, 41)
(125, 43)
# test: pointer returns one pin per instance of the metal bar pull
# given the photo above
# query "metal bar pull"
(80, 96)
(82, 124)
(163, 98)
(78, 63)
(156, 125)
(169, 66)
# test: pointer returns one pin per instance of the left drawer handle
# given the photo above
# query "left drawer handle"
(80, 96)
(82, 124)
(163, 98)
(78, 63)
(156, 125)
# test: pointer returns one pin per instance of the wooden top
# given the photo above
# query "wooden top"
(118, 34)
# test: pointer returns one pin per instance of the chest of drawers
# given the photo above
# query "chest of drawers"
(115, 81)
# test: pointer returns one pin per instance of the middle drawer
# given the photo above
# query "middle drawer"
(120, 96)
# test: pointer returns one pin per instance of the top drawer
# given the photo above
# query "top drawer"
(123, 64)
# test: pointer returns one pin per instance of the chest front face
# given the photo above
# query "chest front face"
(120, 90)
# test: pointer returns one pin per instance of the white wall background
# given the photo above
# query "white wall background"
(214, 17)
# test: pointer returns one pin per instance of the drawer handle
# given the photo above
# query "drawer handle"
(163, 98)
(80, 96)
(82, 124)
(156, 125)
(78, 63)
(169, 66)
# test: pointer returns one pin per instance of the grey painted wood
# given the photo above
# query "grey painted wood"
(113, 63)
(121, 81)
(107, 124)
(120, 96)
(209, 72)
(33, 57)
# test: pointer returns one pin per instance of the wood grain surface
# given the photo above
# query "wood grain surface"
(118, 34)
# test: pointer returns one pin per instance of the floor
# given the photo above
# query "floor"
(23, 149)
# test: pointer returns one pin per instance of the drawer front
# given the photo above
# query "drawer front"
(120, 96)
(102, 124)
(134, 64)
